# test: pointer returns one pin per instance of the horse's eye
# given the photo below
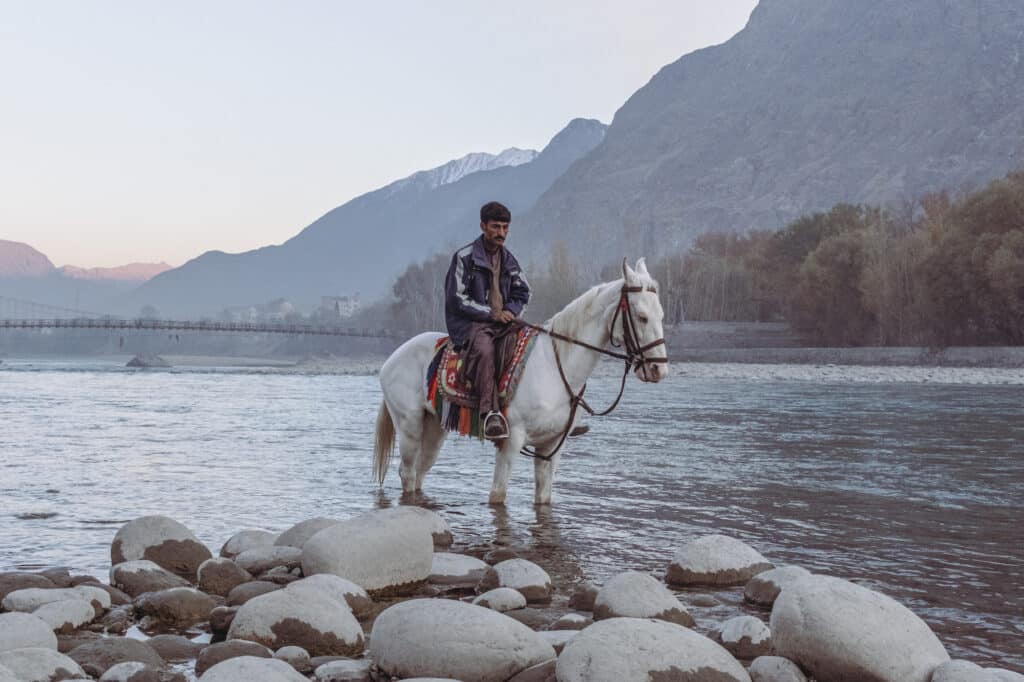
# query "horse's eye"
(643, 319)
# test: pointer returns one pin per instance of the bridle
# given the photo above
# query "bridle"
(634, 356)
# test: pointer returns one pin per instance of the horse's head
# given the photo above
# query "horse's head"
(641, 332)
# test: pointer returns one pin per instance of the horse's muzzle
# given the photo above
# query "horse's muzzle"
(651, 372)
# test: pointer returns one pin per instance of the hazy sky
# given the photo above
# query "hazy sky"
(144, 131)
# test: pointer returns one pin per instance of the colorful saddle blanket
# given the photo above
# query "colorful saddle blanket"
(456, 405)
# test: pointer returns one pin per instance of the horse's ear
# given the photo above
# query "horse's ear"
(627, 272)
(641, 267)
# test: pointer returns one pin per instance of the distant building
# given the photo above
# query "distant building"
(338, 307)
(274, 311)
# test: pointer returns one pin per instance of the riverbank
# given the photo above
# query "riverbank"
(981, 356)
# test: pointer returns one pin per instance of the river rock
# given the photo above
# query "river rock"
(636, 650)
(30, 599)
(572, 621)
(535, 619)
(961, 671)
(133, 671)
(38, 664)
(147, 360)
(301, 532)
(836, 629)
(445, 638)
(118, 619)
(68, 643)
(98, 656)
(775, 669)
(246, 591)
(261, 559)
(337, 588)
(142, 575)
(764, 588)
(343, 671)
(440, 531)
(558, 638)
(296, 657)
(745, 637)
(282, 575)
(117, 597)
(542, 672)
(247, 539)
(178, 607)
(715, 560)
(24, 630)
(501, 599)
(219, 576)
(522, 575)
(1002, 675)
(220, 620)
(387, 551)
(639, 595)
(174, 648)
(223, 651)
(250, 669)
(583, 597)
(17, 580)
(67, 615)
(58, 575)
(161, 540)
(323, 627)
(456, 569)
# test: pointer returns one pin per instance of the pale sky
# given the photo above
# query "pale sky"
(144, 130)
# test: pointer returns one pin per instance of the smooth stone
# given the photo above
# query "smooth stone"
(583, 597)
(639, 595)
(132, 671)
(572, 621)
(763, 589)
(223, 651)
(219, 576)
(30, 599)
(836, 629)
(142, 575)
(24, 630)
(704, 601)
(446, 638)
(251, 669)
(343, 671)
(296, 657)
(67, 615)
(177, 607)
(962, 671)
(775, 669)
(220, 620)
(745, 637)
(639, 650)
(542, 672)
(247, 539)
(175, 647)
(299, 534)
(161, 540)
(1003, 675)
(59, 576)
(119, 619)
(530, 579)
(39, 664)
(558, 638)
(715, 560)
(17, 580)
(282, 575)
(117, 597)
(247, 591)
(440, 531)
(262, 559)
(501, 599)
(299, 618)
(337, 588)
(68, 643)
(386, 552)
(100, 655)
(456, 569)
(535, 619)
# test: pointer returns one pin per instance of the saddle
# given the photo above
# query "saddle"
(456, 404)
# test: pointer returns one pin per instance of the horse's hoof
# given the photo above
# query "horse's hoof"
(496, 500)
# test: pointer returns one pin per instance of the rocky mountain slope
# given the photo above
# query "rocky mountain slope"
(21, 260)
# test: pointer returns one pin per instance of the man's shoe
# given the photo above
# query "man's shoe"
(495, 426)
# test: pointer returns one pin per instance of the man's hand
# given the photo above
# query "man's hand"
(505, 316)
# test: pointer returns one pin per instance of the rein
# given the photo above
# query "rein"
(633, 357)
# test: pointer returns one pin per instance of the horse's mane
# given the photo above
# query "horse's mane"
(567, 320)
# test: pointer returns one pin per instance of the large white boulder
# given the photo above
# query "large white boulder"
(252, 669)
(322, 626)
(142, 575)
(439, 529)
(21, 630)
(67, 615)
(161, 540)
(34, 664)
(639, 595)
(445, 638)
(715, 560)
(331, 586)
(530, 579)
(456, 569)
(246, 539)
(387, 551)
(639, 650)
(763, 589)
(775, 669)
(30, 599)
(297, 535)
(836, 629)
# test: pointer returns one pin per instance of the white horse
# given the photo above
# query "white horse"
(540, 410)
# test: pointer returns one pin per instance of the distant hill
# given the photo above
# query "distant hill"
(21, 260)
(814, 102)
(133, 272)
(362, 246)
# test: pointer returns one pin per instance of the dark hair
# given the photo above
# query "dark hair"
(492, 210)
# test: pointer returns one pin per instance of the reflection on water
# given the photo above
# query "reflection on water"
(913, 488)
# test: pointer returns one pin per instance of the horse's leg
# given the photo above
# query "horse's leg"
(544, 477)
(433, 437)
(503, 459)
(410, 442)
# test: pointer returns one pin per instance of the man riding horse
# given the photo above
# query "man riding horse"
(485, 291)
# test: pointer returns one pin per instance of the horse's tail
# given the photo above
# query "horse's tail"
(384, 443)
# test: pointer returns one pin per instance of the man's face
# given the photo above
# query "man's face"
(495, 233)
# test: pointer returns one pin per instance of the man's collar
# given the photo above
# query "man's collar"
(480, 255)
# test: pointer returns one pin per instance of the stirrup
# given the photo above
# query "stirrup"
(502, 422)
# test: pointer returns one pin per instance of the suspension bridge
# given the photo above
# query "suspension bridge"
(20, 314)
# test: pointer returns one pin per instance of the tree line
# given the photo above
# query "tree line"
(941, 271)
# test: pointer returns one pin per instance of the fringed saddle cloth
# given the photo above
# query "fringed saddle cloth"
(456, 405)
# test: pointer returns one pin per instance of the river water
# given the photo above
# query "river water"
(907, 480)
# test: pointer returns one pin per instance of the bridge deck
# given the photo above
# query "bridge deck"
(193, 326)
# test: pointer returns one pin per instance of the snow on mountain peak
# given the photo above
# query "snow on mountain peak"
(453, 171)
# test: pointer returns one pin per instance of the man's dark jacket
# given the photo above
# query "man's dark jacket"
(467, 289)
